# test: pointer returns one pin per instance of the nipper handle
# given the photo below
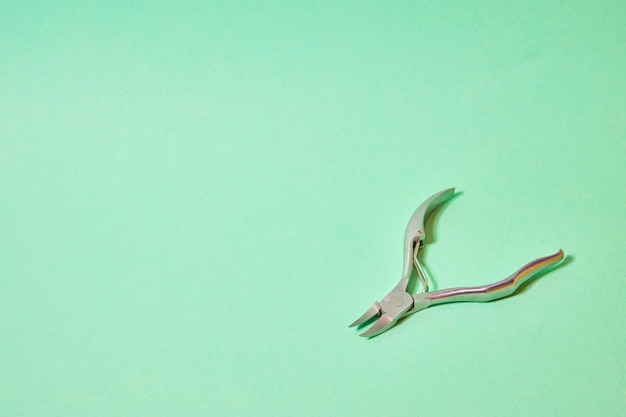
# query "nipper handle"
(487, 292)
(415, 233)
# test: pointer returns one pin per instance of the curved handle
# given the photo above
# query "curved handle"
(496, 290)
(415, 228)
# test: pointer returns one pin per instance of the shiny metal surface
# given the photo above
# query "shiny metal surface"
(488, 292)
(415, 231)
(399, 303)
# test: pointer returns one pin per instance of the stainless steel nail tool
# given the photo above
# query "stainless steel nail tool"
(399, 303)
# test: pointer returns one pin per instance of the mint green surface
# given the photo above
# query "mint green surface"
(197, 198)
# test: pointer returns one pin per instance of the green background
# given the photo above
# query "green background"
(197, 198)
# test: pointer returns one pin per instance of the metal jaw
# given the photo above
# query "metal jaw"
(399, 303)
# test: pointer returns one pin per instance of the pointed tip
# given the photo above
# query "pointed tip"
(371, 312)
(382, 324)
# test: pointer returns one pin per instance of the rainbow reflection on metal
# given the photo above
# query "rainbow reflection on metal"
(399, 303)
